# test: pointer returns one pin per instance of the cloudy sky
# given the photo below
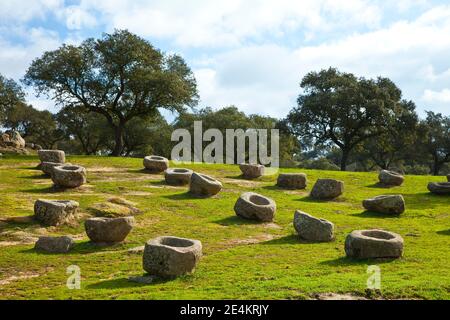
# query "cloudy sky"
(253, 53)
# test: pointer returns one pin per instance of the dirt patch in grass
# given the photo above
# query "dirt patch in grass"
(19, 276)
(337, 296)
(251, 240)
(244, 183)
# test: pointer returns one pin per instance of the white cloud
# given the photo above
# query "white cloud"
(200, 23)
(265, 78)
(437, 96)
(12, 11)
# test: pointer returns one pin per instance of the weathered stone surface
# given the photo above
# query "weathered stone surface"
(171, 256)
(390, 178)
(442, 188)
(252, 171)
(115, 207)
(54, 244)
(254, 206)
(47, 167)
(57, 156)
(313, 229)
(203, 185)
(16, 140)
(391, 204)
(370, 244)
(292, 181)
(327, 189)
(55, 212)
(69, 176)
(108, 230)
(178, 177)
(156, 164)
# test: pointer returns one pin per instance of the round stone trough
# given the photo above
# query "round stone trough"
(108, 230)
(55, 212)
(327, 189)
(171, 256)
(57, 156)
(370, 244)
(254, 206)
(54, 244)
(252, 171)
(156, 164)
(313, 229)
(204, 186)
(294, 181)
(439, 188)
(177, 176)
(47, 167)
(390, 204)
(390, 178)
(69, 176)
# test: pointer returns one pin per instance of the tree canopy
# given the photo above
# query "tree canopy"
(120, 76)
(339, 108)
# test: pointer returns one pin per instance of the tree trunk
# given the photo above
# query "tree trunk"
(118, 148)
(344, 160)
(436, 167)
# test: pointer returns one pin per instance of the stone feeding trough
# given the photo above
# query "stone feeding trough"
(293, 181)
(171, 256)
(439, 188)
(178, 177)
(313, 229)
(202, 185)
(47, 167)
(390, 178)
(254, 206)
(55, 156)
(391, 204)
(252, 171)
(108, 230)
(54, 244)
(327, 189)
(156, 164)
(371, 244)
(55, 212)
(69, 176)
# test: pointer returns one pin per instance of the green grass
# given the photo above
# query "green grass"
(242, 260)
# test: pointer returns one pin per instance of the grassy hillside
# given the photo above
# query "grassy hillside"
(241, 259)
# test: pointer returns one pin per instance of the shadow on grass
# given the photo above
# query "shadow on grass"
(182, 196)
(242, 177)
(444, 232)
(377, 215)
(125, 283)
(37, 177)
(85, 247)
(379, 185)
(290, 239)
(51, 189)
(235, 221)
(345, 261)
(310, 199)
(144, 171)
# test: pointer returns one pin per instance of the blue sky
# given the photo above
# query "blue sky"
(252, 54)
